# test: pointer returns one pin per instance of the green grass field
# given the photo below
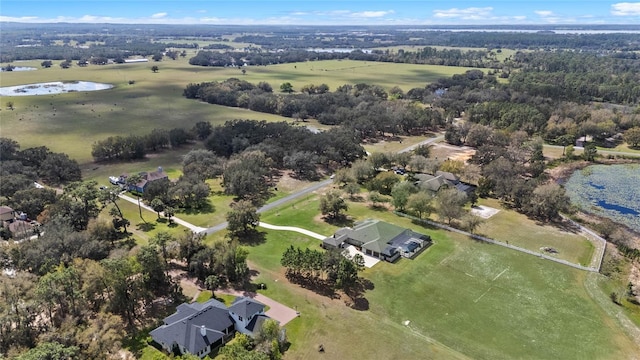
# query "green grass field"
(517, 229)
(461, 298)
(72, 122)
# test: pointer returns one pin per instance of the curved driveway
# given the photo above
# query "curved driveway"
(295, 229)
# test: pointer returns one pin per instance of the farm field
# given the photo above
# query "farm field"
(72, 122)
(495, 303)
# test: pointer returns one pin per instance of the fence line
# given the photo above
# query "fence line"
(492, 241)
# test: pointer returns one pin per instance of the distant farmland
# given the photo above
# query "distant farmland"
(72, 122)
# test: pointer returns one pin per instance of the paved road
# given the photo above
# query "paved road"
(174, 219)
(425, 142)
(600, 151)
(277, 203)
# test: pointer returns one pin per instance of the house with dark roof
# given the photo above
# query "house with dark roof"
(146, 178)
(7, 214)
(199, 328)
(248, 315)
(441, 179)
(379, 239)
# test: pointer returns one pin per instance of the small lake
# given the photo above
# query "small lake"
(337, 50)
(50, 88)
(612, 191)
(19, 68)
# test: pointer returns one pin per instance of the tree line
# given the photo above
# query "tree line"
(134, 147)
(322, 266)
(367, 110)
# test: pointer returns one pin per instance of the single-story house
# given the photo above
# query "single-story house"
(441, 179)
(145, 179)
(379, 239)
(199, 328)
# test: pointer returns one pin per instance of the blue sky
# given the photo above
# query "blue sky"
(307, 12)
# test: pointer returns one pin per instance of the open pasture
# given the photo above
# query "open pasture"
(72, 122)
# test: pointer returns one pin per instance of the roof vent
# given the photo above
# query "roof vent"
(203, 331)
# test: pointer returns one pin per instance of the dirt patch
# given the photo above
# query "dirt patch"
(451, 152)
(484, 212)
(563, 171)
(288, 184)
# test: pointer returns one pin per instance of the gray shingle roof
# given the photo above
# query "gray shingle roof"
(246, 307)
(184, 327)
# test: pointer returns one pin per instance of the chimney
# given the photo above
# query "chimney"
(203, 331)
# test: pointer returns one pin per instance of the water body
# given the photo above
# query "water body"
(50, 88)
(19, 68)
(337, 50)
(611, 191)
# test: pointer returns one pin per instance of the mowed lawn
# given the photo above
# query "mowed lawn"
(461, 298)
(517, 229)
(72, 122)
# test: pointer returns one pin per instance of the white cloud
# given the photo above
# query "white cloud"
(159, 15)
(472, 13)
(544, 13)
(626, 9)
(201, 11)
(371, 14)
(25, 19)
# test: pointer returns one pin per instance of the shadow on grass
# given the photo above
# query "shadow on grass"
(252, 237)
(206, 208)
(341, 221)
(146, 227)
(378, 207)
(357, 301)
(315, 284)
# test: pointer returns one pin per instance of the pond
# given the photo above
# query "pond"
(19, 68)
(49, 88)
(612, 191)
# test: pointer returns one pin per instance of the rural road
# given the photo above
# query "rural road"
(425, 142)
(267, 207)
(602, 152)
(313, 188)
(174, 219)
(276, 203)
